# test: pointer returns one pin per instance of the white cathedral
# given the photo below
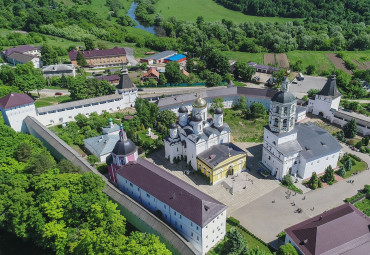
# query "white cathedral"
(295, 148)
(196, 133)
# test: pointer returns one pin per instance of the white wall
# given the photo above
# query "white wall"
(318, 165)
(214, 232)
(14, 116)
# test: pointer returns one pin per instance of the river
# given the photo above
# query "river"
(131, 14)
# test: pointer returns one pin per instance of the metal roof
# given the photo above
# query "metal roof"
(179, 195)
(79, 103)
(116, 51)
(175, 57)
(58, 68)
(160, 55)
(15, 99)
(342, 230)
(20, 49)
(103, 144)
(330, 88)
(219, 153)
(360, 119)
(21, 57)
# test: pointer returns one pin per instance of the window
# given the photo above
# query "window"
(197, 227)
(164, 206)
(147, 195)
(207, 237)
(191, 233)
(131, 185)
(198, 238)
(285, 123)
(277, 109)
(174, 213)
(181, 226)
(180, 216)
(285, 110)
(269, 158)
(276, 122)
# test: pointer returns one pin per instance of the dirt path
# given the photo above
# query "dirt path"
(338, 62)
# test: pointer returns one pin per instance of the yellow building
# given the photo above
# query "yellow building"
(220, 161)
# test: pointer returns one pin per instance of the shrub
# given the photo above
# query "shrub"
(341, 172)
(329, 175)
(233, 221)
(287, 180)
(313, 182)
(92, 159)
(281, 235)
(287, 249)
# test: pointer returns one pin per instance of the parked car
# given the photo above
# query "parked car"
(58, 93)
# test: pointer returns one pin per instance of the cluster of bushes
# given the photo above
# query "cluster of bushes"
(365, 192)
(15, 39)
(288, 182)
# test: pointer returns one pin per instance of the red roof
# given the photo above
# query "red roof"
(151, 71)
(337, 231)
(15, 99)
(21, 49)
(108, 78)
(98, 53)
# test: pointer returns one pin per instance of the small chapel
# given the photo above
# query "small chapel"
(297, 149)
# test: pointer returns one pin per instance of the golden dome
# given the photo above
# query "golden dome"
(199, 103)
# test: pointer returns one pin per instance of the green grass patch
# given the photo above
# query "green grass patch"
(189, 10)
(316, 58)
(245, 56)
(359, 166)
(360, 56)
(251, 242)
(46, 101)
(293, 188)
(144, 138)
(244, 130)
(364, 206)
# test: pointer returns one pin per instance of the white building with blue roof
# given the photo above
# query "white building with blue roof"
(298, 149)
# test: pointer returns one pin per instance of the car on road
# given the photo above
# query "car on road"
(58, 93)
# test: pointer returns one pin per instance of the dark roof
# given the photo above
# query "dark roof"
(20, 57)
(125, 82)
(124, 147)
(108, 78)
(173, 126)
(336, 231)
(219, 110)
(179, 195)
(197, 118)
(116, 51)
(219, 153)
(15, 99)
(183, 109)
(20, 49)
(160, 55)
(283, 97)
(330, 88)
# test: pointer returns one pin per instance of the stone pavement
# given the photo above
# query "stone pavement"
(255, 186)
(266, 219)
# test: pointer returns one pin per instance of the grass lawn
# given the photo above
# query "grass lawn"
(144, 137)
(293, 188)
(189, 10)
(250, 241)
(316, 58)
(46, 101)
(364, 206)
(360, 56)
(244, 130)
(245, 56)
(358, 167)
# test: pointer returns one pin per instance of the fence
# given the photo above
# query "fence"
(136, 214)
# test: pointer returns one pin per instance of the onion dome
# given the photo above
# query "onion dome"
(125, 147)
(173, 126)
(183, 109)
(110, 119)
(199, 103)
(219, 110)
(197, 118)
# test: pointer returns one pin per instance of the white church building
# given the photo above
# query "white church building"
(298, 149)
(195, 133)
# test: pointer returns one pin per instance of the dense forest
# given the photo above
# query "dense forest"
(58, 208)
(338, 11)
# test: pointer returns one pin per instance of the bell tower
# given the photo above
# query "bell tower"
(283, 109)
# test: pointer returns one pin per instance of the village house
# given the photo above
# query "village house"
(59, 70)
(23, 54)
(152, 73)
(101, 58)
(158, 57)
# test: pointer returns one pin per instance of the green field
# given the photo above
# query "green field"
(316, 58)
(360, 56)
(245, 56)
(189, 10)
(46, 101)
(364, 206)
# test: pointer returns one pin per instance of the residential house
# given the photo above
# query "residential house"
(152, 73)
(59, 70)
(101, 58)
(158, 57)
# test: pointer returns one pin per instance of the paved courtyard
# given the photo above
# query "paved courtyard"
(301, 88)
(255, 185)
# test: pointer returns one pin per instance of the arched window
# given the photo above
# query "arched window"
(293, 108)
(276, 122)
(291, 121)
(277, 109)
(285, 123)
(285, 110)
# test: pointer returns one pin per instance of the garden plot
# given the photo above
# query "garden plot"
(338, 62)
(282, 61)
(269, 59)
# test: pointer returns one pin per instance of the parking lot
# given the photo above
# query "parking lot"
(300, 88)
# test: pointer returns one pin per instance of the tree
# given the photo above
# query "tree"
(217, 103)
(89, 43)
(342, 171)
(350, 129)
(312, 93)
(242, 104)
(23, 152)
(217, 62)
(235, 243)
(329, 175)
(190, 64)
(298, 66)
(313, 182)
(66, 166)
(213, 80)
(162, 79)
(81, 61)
(92, 159)
(40, 163)
(287, 249)
(243, 71)
(258, 109)
(347, 165)
(310, 69)
(340, 136)
(287, 180)
(166, 117)
(49, 55)
(28, 78)
(173, 73)
(279, 76)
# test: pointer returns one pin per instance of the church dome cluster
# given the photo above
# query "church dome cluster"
(199, 103)
(219, 110)
(183, 109)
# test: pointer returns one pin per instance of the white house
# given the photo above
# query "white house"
(17, 58)
(196, 133)
(293, 148)
(199, 218)
(59, 70)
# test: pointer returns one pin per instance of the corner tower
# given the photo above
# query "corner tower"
(283, 109)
